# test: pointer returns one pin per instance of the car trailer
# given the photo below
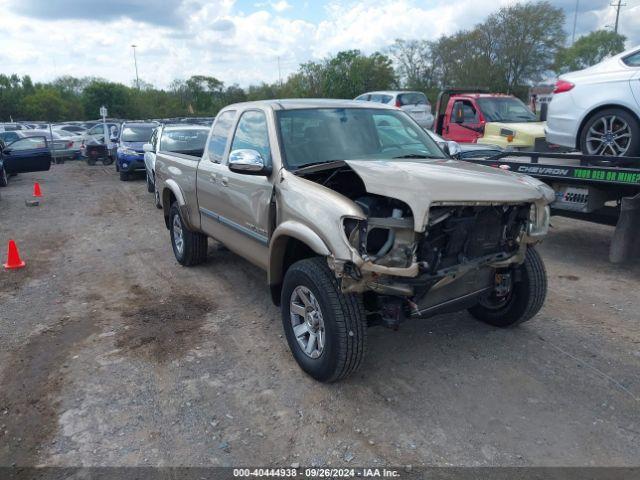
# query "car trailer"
(594, 188)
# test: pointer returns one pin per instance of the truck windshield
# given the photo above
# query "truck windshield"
(319, 135)
(188, 141)
(505, 109)
(132, 133)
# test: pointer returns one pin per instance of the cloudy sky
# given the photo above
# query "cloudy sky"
(237, 41)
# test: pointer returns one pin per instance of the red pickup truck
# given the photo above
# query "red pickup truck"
(466, 116)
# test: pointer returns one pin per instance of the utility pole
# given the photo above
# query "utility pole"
(279, 73)
(135, 63)
(618, 6)
(575, 20)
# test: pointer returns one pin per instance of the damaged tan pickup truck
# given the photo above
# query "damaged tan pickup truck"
(359, 219)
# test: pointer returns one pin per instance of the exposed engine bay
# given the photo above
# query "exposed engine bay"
(461, 249)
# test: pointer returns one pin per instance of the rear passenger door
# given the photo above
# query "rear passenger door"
(210, 170)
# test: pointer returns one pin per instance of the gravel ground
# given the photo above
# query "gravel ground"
(113, 354)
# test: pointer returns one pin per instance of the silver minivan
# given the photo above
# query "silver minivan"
(415, 104)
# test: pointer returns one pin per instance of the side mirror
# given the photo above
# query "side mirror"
(249, 162)
(147, 147)
(452, 148)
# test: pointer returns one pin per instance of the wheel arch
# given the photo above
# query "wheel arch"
(171, 192)
(291, 242)
(597, 110)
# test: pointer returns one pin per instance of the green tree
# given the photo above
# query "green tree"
(345, 75)
(589, 50)
(525, 40)
(45, 104)
(201, 92)
(414, 64)
(114, 96)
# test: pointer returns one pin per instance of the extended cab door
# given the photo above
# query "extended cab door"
(462, 123)
(29, 154)
(239, 202)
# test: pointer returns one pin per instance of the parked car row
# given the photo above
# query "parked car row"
(595, 111)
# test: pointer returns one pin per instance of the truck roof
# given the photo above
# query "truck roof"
(481, 95)
(300, 103)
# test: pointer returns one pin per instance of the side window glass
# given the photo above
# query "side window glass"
(468, 112)
(219, 135)
(632, 60)
(391, 131)
(252, 133)
(470, 115)
(29, 144)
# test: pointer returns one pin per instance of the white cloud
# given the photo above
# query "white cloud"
(214, 38)
(280, 6)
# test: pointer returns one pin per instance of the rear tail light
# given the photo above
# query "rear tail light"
(398, 104)
(563, 86)
(70, 144)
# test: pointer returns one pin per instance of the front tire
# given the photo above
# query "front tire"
(124, 176)
(150, 186)
(612, 131)
(156, 195)
(4, 179)
(325, 328)
(189, 248)
(525, 298)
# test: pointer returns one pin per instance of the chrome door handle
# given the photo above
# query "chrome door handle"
(212, 178)
(224, 181)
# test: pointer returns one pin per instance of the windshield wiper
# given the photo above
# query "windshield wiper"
(416, 155)
(318, 166)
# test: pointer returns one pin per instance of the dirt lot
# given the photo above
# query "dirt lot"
(113, 354)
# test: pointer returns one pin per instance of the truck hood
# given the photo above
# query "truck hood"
(419, 183)
(528, 128)
(524, 134)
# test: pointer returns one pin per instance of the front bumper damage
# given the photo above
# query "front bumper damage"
(430, 273)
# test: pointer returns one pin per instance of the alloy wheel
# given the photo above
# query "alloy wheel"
(307, 321)
(609, 135)
(178, 236)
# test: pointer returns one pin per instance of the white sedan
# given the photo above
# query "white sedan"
(597, 110)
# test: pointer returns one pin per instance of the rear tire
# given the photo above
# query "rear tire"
(526, 298)
(342, 322)
(189, 248)
(611, 120)
(4, 179)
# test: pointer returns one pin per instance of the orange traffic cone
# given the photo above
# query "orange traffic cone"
(13, 257)
(36, 190)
